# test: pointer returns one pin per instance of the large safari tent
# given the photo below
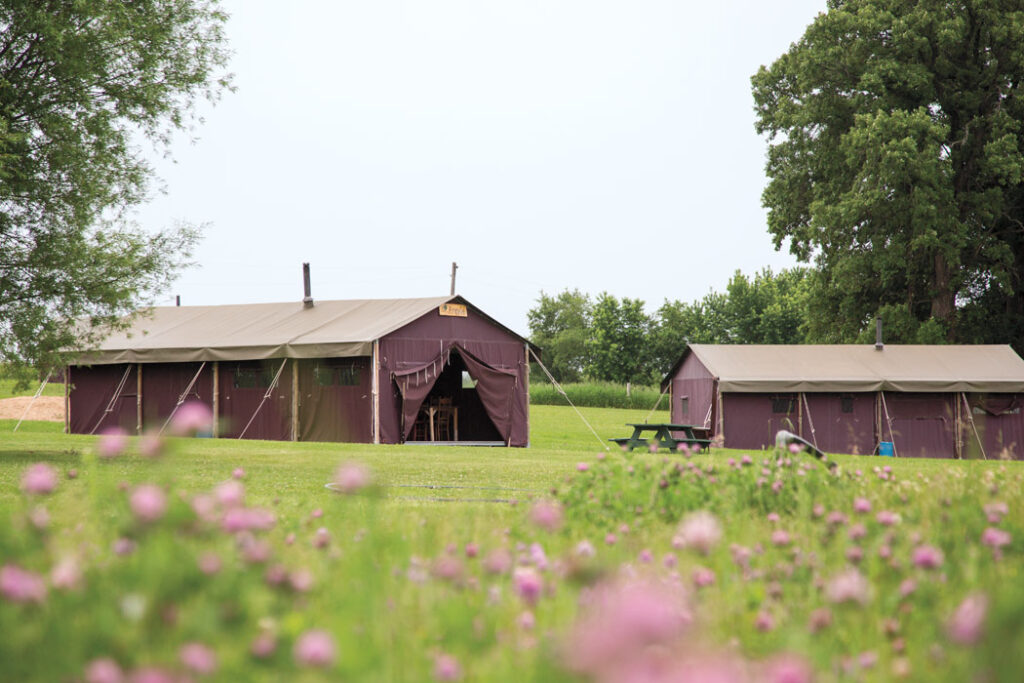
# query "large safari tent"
(371, 371)
(927, 401)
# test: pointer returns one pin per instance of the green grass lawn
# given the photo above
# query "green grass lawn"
(396, 589)
(7, 389)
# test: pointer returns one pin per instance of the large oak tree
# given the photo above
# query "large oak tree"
(85, 87)
(896, 131)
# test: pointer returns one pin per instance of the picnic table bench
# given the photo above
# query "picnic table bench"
(692, 435)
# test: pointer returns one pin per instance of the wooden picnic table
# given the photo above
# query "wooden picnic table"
(663, 436)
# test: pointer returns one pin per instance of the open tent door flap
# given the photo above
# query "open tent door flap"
(495, 388)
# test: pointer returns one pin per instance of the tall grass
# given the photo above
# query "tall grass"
(597, 395)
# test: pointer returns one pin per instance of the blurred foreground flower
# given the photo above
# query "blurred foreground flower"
(351, 477)
(966, 624)
(619, 620)
(19, 585)
(112, 443)
(700, 531)
(39, 479)
(315, 648)
(547, 515)
(192, 418)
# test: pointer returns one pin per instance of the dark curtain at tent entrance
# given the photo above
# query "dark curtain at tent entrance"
(495, 388)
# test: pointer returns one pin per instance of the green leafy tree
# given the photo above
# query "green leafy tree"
(617, 349)
(82, 83)
(895, 162)
(766, 309)
(560, 326)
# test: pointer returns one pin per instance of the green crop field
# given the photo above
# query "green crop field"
(493, 564)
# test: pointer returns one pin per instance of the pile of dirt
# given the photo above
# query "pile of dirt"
(48, 408)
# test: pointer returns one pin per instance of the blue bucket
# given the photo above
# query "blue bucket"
(886, 448)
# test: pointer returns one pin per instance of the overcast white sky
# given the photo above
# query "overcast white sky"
(541, 144)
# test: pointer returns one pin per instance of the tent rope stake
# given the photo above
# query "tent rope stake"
(559, 389)
(29, 406)
(270, 390)
(181, 399)
(113, 399)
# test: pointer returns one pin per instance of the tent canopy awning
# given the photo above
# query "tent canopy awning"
(346, 328)
(858, 368)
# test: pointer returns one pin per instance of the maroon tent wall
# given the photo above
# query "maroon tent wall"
(750, 422)
(431, 337)
(696, 385)
(843, 423)
(92, 387)
(999, 419)
(923, 425)
(164, 383)
(239, 401)
(335, 400)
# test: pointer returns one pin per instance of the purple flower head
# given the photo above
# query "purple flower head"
(247, 519)
(39, 479)
(702, 577)
(547, 515)
(764, 622)
(700, 531)
(887, 518)
(967, 622)
(19, 585)
(263, 646)
(315, 648)
(927, 557)
(198, 658)
(781, 538)
(103, 670)
(788, 668)
(995, 538)
(148, 503)
(446, 668)
(528, 584)
(498, 561)
(848, 586)
(192, 418)
(66, 574)
(622, 617)
(582, 466)
(352, 477)
(112, 442)
(230, 493)
(861, 505)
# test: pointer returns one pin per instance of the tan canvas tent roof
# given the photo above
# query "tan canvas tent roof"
(260, 331)
(904, 368)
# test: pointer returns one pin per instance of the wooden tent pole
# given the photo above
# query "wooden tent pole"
(526, 360)
(138, 398)
(216, 399)
(67, 399)
(295, 400)
(375, 384)
(970, 416)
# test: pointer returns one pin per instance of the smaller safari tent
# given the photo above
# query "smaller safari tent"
(928, 401)
(371, 371)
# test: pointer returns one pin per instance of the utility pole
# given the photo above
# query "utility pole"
(455, 266)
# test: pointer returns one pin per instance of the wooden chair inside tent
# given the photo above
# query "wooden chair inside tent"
(444, 419)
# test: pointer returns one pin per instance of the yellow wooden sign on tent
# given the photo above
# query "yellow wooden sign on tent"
(454, 310)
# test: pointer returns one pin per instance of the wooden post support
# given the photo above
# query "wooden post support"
(295, 400)
(375, 384)
(216, 399)
(67, 399)
(138, 398)
(526, 360)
